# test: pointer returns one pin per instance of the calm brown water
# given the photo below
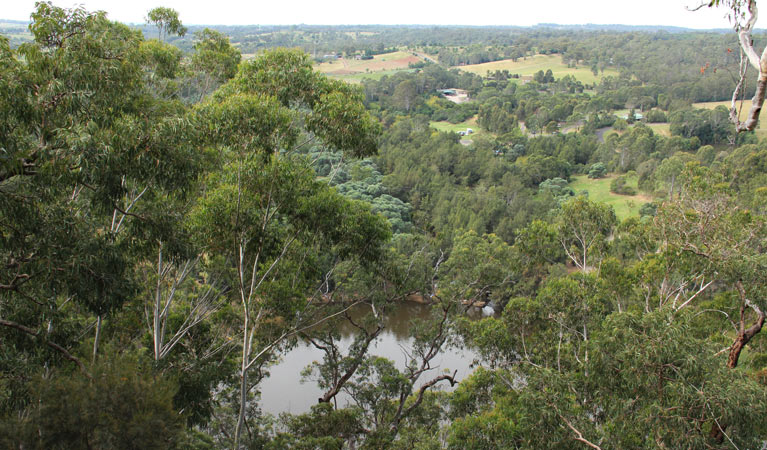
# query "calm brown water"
(283, 390)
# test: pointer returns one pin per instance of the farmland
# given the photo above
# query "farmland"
(353, 70)
(530, 65)
(356, 78)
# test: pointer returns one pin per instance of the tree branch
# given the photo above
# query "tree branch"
(578, 435)
(50, 344)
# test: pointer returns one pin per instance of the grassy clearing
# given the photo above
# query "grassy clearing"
(599, 190)
(385, 62)
(357, 78)
(531, 65)
(456, 127)
(621, 112)
(726, 104)
(663, 129)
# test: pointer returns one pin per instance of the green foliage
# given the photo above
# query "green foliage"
(584, 227)
(167, 22)
(105, 165)
(706, 155)
(101, 166)
(364, 183)
(493, 429)
(324, 427)
(648, 209)
(543, 78)
(215, 56)
(674, 384)
(479, 269)
(89, 139)
(124, 406)
(597, 170)
(214, 62)
(619, 185)
(710, 126)
(670, 168)
(620, 125)
(656, 116)
(557, 187)
(335, 114)
(163, 59)
(538, 244)
(646, 375)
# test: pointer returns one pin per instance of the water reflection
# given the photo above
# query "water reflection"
(283, 390)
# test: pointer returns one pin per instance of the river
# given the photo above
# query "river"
(284, 391)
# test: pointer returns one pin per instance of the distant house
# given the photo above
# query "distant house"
(637, 116)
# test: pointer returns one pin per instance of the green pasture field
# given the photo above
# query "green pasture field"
(663, 129)
(456, 127)
(599, 190)
(356, 78)
(532, 64)
(349, 66)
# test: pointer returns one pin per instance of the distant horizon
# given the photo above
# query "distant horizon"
(449, 25)
(648, 13)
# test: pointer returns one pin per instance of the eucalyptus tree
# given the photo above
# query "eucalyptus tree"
(652, 383)
(670, 168)
(96, 167)
(87, 151)
(719, 242)
(215, 59)
(743, 14)
(264, 213)
(584, 227)
(167, 22)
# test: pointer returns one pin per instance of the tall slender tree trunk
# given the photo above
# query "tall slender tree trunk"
(243, 385)
(671, 191)
(156, 333)
(96, 339)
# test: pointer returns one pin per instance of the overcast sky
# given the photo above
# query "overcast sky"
(443, 12)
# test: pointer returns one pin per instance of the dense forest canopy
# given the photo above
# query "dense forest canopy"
(182, 208)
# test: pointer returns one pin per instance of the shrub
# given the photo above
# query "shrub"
(648, 209)
(620, 125)
(656, 116)
(597, 170)
(620, 186)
